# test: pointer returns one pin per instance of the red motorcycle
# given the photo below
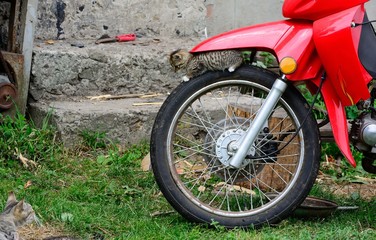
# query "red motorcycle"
(242, 148)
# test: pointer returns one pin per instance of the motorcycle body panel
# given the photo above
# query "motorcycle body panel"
(335, 39)
(338, 120)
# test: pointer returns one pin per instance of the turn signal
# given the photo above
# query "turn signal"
(288, 65)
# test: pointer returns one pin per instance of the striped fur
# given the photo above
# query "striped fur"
(198, 64)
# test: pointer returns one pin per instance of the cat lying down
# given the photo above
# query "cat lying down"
(15, 214)
(196, 65)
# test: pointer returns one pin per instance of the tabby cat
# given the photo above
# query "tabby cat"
(15, 214)
(198, 64)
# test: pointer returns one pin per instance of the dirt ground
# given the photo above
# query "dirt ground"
(364, 188)
(46, 232)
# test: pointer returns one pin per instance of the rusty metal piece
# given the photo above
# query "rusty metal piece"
(8, 93)
(319, 208)
(16, 62)
(22, 18)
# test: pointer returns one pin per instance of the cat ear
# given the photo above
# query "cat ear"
(20, 205)
(11, 198)
(177, 57)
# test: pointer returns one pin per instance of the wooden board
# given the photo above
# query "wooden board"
(274, 175)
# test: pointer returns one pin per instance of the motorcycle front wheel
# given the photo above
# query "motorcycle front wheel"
(193, 141)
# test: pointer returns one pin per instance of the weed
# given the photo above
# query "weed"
(94, 139)
(334, 164)
(265, 59)
(268, 59)
(20, 136)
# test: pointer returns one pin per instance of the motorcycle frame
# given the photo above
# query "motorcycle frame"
(318, 45)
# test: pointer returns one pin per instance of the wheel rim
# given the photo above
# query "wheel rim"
(210, 121)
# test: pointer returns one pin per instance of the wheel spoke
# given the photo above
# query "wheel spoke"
(203, 136)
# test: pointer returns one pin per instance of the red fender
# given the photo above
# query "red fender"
(283, 38)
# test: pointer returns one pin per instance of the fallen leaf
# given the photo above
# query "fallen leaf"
(28, 184)
(201, 189)
(26, 161)
(145, 164)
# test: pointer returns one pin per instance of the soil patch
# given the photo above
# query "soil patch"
(362, 187)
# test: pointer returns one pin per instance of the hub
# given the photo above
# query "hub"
(221, 144)
(226, 146)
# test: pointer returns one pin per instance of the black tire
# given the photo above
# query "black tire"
(200, 118)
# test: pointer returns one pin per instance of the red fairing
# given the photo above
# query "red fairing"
(335, 39)
(338, 121)
(284, 38)
(337, 44)
(316, 9)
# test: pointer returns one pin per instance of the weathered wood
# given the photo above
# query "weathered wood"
(271, 176)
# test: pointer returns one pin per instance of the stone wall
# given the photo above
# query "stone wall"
(226, 15)
(89, 19)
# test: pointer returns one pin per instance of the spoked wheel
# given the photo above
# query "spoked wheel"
(194, 137)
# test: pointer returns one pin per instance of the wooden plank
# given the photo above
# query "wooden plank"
(273, 176)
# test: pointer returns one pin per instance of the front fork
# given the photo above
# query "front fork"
(245, 143)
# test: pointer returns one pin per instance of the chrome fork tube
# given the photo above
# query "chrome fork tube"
(246, 142)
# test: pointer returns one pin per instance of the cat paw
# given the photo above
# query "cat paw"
(185, 79)
(231, 69)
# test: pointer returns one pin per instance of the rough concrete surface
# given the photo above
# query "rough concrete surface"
(64, 75)
(61, 70)
(120, 119)
(89, 19)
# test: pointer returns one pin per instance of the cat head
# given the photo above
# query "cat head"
(19, 211)
(179, 59)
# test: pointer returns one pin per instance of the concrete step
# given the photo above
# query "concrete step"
(61, 70)
(127, 121)
(63, 75)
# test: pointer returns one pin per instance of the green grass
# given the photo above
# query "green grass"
(99, 192)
